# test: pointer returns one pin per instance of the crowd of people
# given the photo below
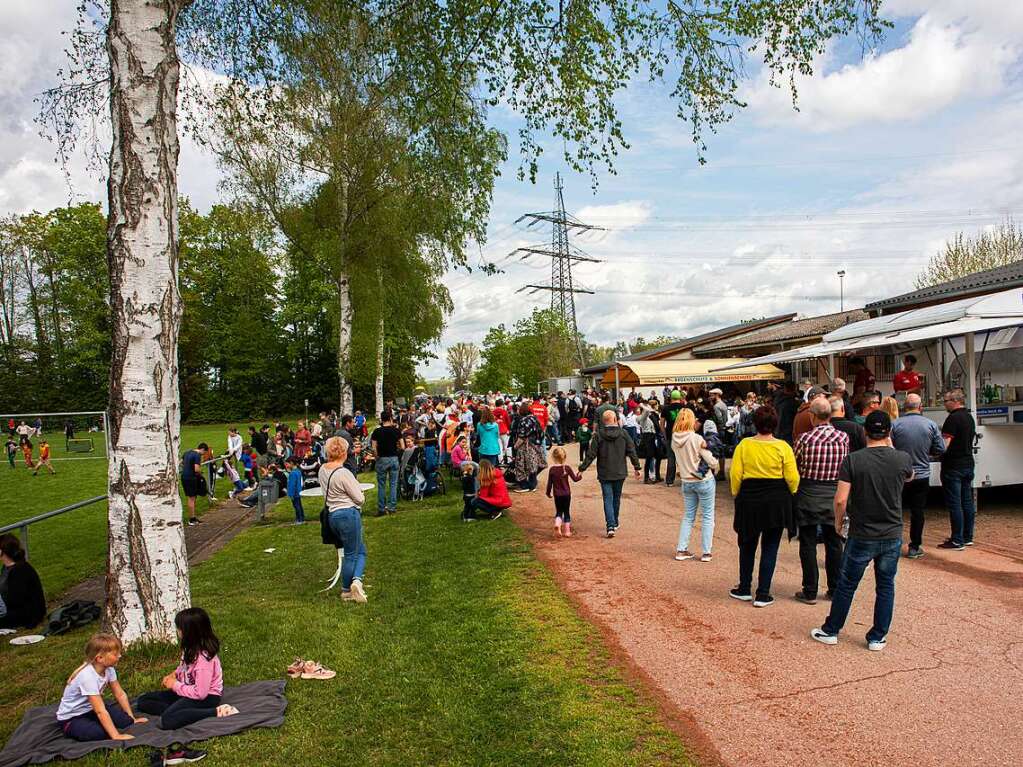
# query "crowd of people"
(824, 465)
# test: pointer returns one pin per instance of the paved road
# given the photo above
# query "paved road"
(754, 689)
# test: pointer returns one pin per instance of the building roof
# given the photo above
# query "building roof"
(685, 344)
(795, 330)
(988, 281)
(658, 372)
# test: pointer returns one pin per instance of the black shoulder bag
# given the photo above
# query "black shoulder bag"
(327, 534)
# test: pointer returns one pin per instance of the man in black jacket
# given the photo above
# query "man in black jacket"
(786, 406)
(610, 446)
(857, 436)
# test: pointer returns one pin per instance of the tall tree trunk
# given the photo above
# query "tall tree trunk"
(379, 388)
(58, 334)
(43, 355)
(147, 566)
(344, 340)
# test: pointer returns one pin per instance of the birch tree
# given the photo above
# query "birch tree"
(147, 567)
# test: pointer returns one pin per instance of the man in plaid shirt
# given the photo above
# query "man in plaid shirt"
(819, 455)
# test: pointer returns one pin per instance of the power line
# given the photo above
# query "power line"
(562, 286)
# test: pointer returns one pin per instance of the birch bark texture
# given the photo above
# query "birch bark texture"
(147, 565)
(346, 314)
(378, 388)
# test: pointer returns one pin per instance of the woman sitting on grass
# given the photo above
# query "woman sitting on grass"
(492, 498)
(22, 603)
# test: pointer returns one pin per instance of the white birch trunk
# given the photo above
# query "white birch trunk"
(379, 388)
(147, 565)
(344, 340)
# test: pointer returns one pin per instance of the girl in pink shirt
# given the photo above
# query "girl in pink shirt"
(192, 691)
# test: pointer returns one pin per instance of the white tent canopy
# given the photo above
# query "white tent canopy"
(957, 318)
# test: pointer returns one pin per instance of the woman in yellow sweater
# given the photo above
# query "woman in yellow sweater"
(764, 481)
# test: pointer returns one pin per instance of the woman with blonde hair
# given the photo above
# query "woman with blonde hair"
(343, 497)
(696, 467)
(890, 405)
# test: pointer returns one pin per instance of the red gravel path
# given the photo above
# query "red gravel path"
(750, 686)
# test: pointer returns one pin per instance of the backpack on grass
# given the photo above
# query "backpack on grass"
(70, 616)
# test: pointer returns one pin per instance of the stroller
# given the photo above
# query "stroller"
(418, 473)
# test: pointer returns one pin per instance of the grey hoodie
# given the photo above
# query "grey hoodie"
(609, 447)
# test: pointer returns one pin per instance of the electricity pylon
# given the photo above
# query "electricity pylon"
(562, 286)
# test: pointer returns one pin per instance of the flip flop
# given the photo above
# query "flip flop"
(314, 670)
(226, 710)
(295, 669)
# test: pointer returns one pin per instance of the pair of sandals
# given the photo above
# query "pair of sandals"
(309, 669)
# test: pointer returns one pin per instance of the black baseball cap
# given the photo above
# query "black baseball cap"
(878, 425)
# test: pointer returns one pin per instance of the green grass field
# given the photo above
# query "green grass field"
(72, 547)
(467, 654)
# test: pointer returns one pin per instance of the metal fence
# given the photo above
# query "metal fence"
(23, 525)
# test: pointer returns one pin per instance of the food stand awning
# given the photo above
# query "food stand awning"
(696, 371)
(958, 318)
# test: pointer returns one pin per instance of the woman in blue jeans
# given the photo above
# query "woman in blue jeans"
(696, 466)
(343, 498)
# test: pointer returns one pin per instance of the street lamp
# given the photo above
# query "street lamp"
(841, 290)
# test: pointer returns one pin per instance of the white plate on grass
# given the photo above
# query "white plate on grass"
(28, 639)
(312, 491)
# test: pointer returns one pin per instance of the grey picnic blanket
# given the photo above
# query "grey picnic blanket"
(39, 738)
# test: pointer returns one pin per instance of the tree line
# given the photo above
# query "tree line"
(258, 326)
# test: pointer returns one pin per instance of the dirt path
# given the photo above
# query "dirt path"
(750, 684)
(218, 526)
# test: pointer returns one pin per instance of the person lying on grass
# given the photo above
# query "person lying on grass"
(192, 690)
(82, 713)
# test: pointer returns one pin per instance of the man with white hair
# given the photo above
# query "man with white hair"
(919, 436)
(839, 387)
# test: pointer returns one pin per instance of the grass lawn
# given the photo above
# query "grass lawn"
(72, 547)
(467, 654)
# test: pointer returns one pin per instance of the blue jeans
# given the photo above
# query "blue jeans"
(858, 554)
(698, 495)
(87, 726)
(611, 491)
(296, 503)
(347, 526)
(387, 471)
(958, 487)
(768, 541)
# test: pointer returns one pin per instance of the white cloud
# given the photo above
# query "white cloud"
(31, 53)
(941, 64)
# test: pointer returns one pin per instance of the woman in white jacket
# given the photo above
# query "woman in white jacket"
(696, 467)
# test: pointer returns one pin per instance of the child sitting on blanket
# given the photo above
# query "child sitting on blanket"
(82, 713)
(194, 688)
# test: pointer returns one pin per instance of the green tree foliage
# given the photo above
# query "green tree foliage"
(965, 255)
(56, 332)
(257, 337)
(539, 347)
(229, 349)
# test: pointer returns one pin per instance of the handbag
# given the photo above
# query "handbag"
(327, 534)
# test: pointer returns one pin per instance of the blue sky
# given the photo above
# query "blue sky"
(889, 155)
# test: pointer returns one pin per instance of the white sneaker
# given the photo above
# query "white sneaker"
(358, 591)
(682, 556)
(877, 645)
(823, 637)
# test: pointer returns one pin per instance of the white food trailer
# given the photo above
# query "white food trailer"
(975, 344)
